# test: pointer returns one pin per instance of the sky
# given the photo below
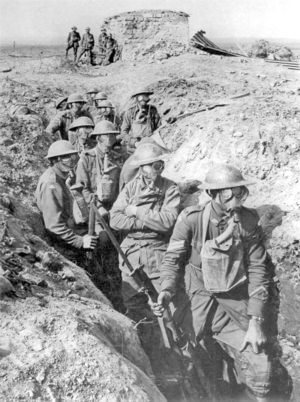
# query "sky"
(49, 21)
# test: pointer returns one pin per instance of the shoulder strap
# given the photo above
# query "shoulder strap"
(205, 221)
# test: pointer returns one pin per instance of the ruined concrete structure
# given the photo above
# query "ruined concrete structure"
(146, 34)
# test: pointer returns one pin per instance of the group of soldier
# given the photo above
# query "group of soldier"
(208, 262)
(108, 46)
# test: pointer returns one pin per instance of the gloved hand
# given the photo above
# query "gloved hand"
(103, 211)
(89, 242)
(131, 210)
(163, 301)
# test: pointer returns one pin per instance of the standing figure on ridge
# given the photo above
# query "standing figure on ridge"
(73, 42)
(87, 45)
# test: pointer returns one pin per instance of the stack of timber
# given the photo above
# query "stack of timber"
(199, 41)
(291, 65)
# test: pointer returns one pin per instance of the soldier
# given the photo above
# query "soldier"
(73, 42)
(98, 172)
(102, 39)
(62, 121)
(91, 93)
(110, 50)
(106, 111)
(227, 278)
(79, 134)
(54, 200)
(141, 120)
(100, 96)
(145, 211)
(61, 103)
(87, 44)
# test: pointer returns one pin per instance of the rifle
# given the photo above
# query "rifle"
(172, 337)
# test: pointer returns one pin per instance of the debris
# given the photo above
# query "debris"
(199, 41)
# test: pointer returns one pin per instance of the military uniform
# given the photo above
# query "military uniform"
(90, 171)
(87, 44)
(133, 130)
(73, 42)
(55, 202)
(110, 50)
(224, 316)
(147, 235)
(62, 121)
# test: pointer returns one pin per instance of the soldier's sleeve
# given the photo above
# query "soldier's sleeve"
(258, 274)
(178, 249)
(157, 120)
(82, 176)
(79, 37)
(118, 218)
(54, 125)
(164, 219)
(69, 38)
(52, 206)
(126, 126)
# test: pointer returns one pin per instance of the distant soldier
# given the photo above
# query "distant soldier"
(140, 120)
(73, 42)
(87, 44)
(98, 172)
(79, 134)
(110, 50)
(62, 121)
(54, 200)
(102, 39)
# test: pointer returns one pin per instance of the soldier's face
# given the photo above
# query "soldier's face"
(76, 106)
(143, 99)
(232, 198)
(68, 162)
(153, 170)
(106, 141)
(83, 135)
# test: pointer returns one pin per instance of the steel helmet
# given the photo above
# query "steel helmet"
(75, 98)
(224, 176)
(141, 92)
(92, 91)
(82, 121)
(105, 103)
(60, 100)
(60, 148)
(100, 96)
(104, 127)
(147, 153)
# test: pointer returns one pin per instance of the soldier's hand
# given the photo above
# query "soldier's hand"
(255, 336)
(228, 232)
(163, 301)
(103, 211)
(130, 210)
(89, 242)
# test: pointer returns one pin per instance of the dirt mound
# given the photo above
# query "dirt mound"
(263, 48)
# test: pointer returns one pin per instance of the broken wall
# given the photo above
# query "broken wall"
(149, 33)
